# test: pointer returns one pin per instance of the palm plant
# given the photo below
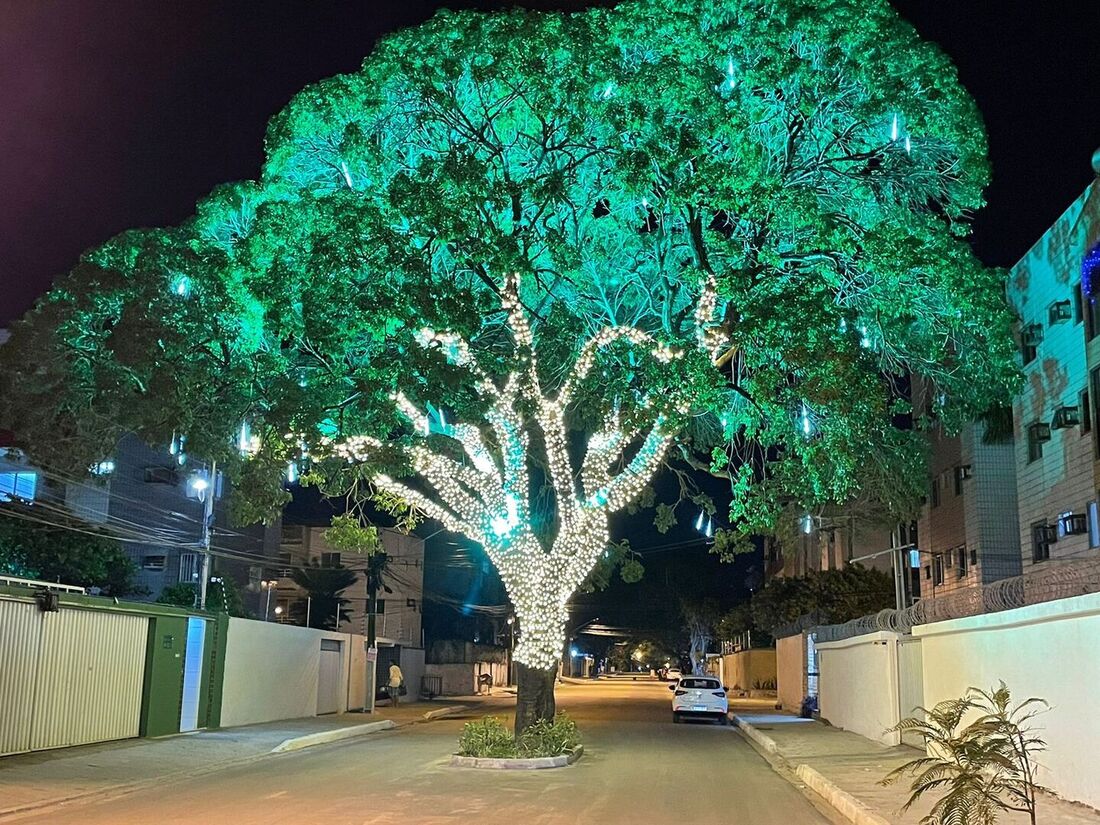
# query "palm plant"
(985, 766)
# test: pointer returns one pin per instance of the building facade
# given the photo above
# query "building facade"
(398, 611)
(967, 532)
(1054, 413)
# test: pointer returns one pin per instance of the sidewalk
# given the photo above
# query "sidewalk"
(844, 769)
(34, 781)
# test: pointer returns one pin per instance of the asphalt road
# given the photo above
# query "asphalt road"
(637, 768)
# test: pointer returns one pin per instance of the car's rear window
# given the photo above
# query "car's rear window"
(699, 684)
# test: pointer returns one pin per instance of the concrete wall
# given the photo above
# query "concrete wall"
(741, 671)
(790, 671)
(461, 679)
(859, 685)
(412, 666)
(272, 670)
(1047, 651)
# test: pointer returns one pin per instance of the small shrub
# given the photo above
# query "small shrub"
(487, 737)
(765, 684)
(983, 768)
(549, 737)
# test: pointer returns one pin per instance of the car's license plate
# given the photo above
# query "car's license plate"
(698, 707)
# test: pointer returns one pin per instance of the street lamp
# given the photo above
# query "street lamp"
(268, 585)
(511, 644)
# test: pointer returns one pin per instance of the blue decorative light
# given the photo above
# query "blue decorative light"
(1090, 267)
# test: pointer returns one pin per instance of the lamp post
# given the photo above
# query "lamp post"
(511, 644)
(267, 585)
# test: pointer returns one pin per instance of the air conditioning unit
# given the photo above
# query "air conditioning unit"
(1038, 433)
(161, 475)
(1047, 533)
(1032, 335)
(1060, 311)
(1066, 417)
(1073, 524)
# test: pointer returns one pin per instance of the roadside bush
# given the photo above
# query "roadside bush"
(549, 737)
(487, 737)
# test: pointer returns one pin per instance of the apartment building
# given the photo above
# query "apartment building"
(398, 617)
(967, 531)
(1055, 416)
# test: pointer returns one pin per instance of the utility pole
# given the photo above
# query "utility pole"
(374, 563)
(207, 525)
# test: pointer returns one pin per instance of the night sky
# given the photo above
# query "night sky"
(122, 113)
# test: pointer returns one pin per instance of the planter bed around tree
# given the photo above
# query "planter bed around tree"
(516, 764)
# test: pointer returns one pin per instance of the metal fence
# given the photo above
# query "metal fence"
(1044, 582)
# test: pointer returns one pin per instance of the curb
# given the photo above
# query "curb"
(336, 735)
(765, 742)
(451, 710)
(535, 764)
(843, 802)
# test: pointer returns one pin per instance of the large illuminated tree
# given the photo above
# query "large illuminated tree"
(753, 211)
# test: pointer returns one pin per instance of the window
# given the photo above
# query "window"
(928, 572)
(1086, 413)
(330, 559)
(937, 569)
(1037, 435)
(962, 473)
(379, 607)
(285, 566)
(701, 684)
(1093, 511)
(1030, 338)
(161, 475)
(973, 557)
(1094, 392)
(20, 485)
(936, 492)
(153, 562)
(190, 567)
(961, 562)
(1040, 541)
(1078, 303)
(1092, 318)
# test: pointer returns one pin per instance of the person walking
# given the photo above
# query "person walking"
(396, 678)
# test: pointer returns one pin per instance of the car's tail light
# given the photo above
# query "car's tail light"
(721, 694)
(680, 693)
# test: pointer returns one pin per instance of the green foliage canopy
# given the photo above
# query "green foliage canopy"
(50, 553)
(816, 159)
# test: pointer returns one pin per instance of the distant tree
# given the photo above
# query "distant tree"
(701, 617)
(323, 586)
(833, 595)
(222, 596)
(62, 554)
(181, 594)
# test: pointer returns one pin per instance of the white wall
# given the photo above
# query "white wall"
(271, 671)
(1050, 651)
(859, 685)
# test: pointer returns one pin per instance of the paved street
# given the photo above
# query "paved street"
(637, 768)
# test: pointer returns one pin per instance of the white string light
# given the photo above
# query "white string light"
(486, 497)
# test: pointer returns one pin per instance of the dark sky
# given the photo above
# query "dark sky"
(121, 113)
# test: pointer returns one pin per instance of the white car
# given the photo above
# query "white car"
(673, 675)
(701, 697)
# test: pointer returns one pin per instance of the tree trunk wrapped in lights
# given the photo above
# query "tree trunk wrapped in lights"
(484, 493)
